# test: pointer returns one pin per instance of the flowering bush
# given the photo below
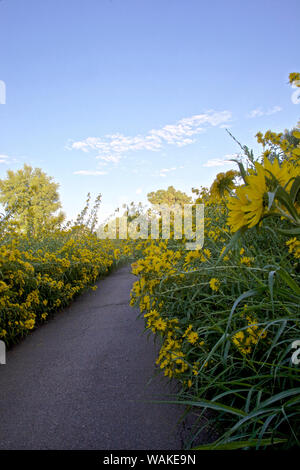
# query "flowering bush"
(227, 315)
(39, 277)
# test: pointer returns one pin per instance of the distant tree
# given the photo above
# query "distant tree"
(169, 196)
(202, 195)
(87, 219)
(133, 210)
(32, 198)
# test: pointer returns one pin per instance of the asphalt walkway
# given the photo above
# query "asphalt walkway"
(81, 380)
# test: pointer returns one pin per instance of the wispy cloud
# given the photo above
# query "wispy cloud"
(90, 172)
(112, 147)
(258, 112)
(4, 158)
(163, 172)
(109, 158)
(221, 161)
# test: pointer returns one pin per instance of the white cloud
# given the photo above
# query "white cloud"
(90, 172)
(163, 171)
(139, 191)
(166, 170)
(221, 161)
(4, 158)
(112, 147)
(109, 158)
(258, 112)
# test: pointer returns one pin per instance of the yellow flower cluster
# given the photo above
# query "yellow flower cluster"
(38, 280)
(294, 247)
(222, 185)
(214, 284)
(247, 338)
(171, 357)
(160, 262)
(196, 257)
(250, 202)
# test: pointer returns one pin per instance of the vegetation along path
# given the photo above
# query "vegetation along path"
(81, 380)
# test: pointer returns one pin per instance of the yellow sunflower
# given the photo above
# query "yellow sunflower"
(284, 173)
(256, 193)
(237, 217)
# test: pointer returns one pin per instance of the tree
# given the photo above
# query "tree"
(32, 198)
(134, 210)
(170, 197)
(88, 220)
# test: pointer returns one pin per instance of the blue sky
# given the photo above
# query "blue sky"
(124, 97)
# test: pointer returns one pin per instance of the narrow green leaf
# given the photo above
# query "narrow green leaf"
(240, 444)
(289, 280)
(289, 232)
(295, 188)
(206, 404)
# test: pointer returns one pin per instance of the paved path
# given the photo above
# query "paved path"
(80, 381)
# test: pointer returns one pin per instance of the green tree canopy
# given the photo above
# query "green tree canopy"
(32, 199)
(169, 196)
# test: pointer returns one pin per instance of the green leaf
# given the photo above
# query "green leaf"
(245, 295)
(289, 232)
(287, 201)
(271, 280)
(280, 396)
(289, 280)
(242, 169)
(232, 242)
(240, 444)
(271, 197)
(295, 188)
(206, 404)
